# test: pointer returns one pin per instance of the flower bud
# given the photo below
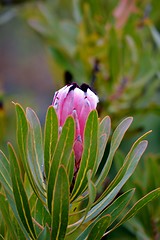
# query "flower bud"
(78, 102)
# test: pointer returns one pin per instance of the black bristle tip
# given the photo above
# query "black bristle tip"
(84, 87)
(73, 86)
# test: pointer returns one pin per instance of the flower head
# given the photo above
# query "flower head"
(78, 102)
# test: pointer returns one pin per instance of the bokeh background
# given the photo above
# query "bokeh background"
(114, 46)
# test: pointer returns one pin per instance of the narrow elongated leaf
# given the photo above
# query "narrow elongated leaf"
(61, 155)
(35, 125)
(50, 137)
(35, 148)
(99, 228)
(113, 210)
(91, 188)
(105, 126)
(155, 35)
(118, 205)
(44, 235)
(89, 153)
(34, 171)
(136, 155)
(91, 231)
(1, 237)
(40, 215)
(115, 142)
(20, 196)
(60, 204)
(70, 168)
(7, 219)
(123, 169)
(104, 133)
(138, 205)
(14, 209)
(22, 138)
(91, 194)
(22, 132)
(91, 198)
(5, 178)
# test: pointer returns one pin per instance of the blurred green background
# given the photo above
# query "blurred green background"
(113, 45)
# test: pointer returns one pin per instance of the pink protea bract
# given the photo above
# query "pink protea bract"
(78, 102)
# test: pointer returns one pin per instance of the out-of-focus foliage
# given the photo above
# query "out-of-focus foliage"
(114, 41)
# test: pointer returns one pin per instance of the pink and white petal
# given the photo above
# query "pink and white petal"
(86, 108)
(66, 107)
(59, 99)
(75, 116)
(58, 94)
(78, 150)
(78, 145)
(78, 100)
(93, 98)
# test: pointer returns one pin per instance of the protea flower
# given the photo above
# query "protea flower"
(78, 102)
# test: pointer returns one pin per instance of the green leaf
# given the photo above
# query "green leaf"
(20, 196)
(22, 132)
(5, 178)
(113, 210)
(44, 235)
(14, 209)
(35, 148)
(6, 216)
(61, 155)
(50, 137)
(22, 139)
(155, 35)
(60, 204)
(124, 167)
(138, 205)
(99, 228)
(118, 205)
(136, 155)
(89, 153)
(91, 196)
(115, 142)
(104, 133)
(95, 228)
(70, 168)
(40, 214)
(91, 188)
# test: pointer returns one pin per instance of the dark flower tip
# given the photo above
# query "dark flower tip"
(84, 87)
(73, 86)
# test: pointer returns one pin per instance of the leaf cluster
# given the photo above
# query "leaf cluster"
(40, 196)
